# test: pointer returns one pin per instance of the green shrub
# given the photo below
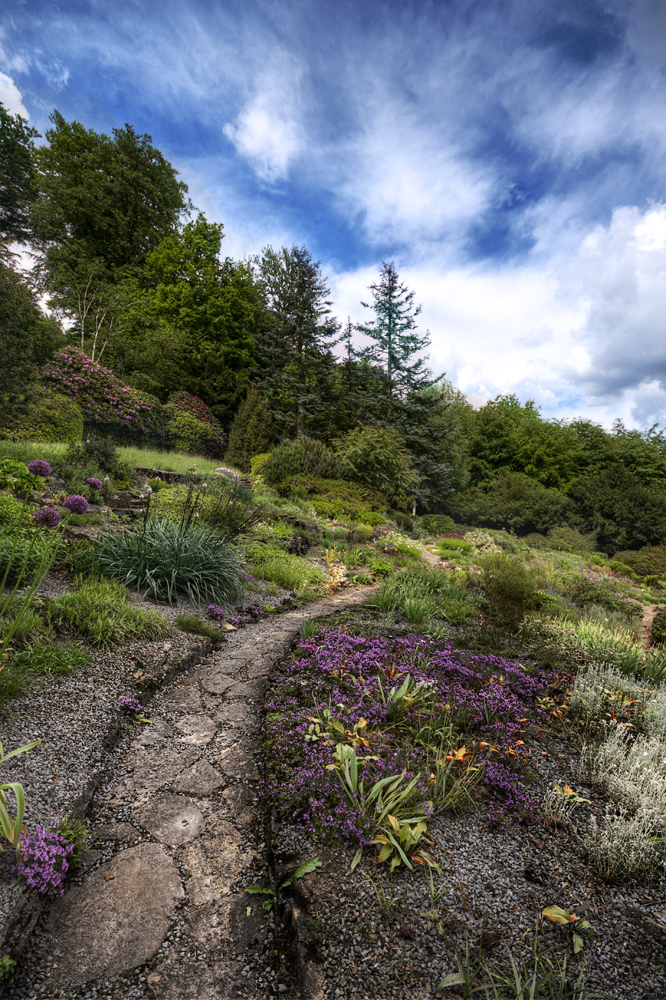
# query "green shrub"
(447, 545)
(287, 571)
(10, 511)
(197, 626)
(14, 475)
(481, 541)
(376, 457)
(193, 436)
(257, 463)
(437, 524)
(567, 539)
(164, 559)
(251, 431)
(509, 582)
(98, 610)
(622, 511)
(304, 456)
(513, 502)
(647, 561)
(50, 417)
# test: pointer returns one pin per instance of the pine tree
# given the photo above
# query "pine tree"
(396, 342)
(251, 432)
(297, 371)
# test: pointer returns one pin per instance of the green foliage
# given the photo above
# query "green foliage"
(336, 498)
(304, 456)
(193, 436)
(659, 628)
(14, 475)
(567, 539)
(47, 660)
(257, 464)
(98, 611)
(17, 178)
(647, 561)
(437, 524)
(251, 432)
(376, 457)
(513, 502)
(11, 510)
(481, 541)
(20, 555)
(620, 510)
(50, 416)
(75, 832)
(509, 583)
(445, 546)
(197, 626)
(165, 559)
(269, 562)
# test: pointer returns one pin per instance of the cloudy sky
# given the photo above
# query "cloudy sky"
(509, 156)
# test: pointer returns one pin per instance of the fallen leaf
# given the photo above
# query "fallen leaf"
(489, 938)
(406, 932)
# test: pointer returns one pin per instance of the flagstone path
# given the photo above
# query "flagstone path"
(179, 828)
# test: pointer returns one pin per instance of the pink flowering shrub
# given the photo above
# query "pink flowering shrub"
(192, 426)
(102, 397)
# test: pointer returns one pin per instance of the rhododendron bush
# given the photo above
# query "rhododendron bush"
(101, 396)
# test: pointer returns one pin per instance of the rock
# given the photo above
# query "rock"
(171, 819)
(200, 779)
(215, 861)
(199, 729)
(182, 699)
(123, 833)
(240, 802)
(236, 714)
(218, 683)
(152, 769)
(189, 982)
(238, 763)
(117, 919)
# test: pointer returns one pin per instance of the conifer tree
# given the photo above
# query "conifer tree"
(251, 432)
(396, 342)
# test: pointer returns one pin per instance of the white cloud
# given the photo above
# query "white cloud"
(582, 334)
(11, 97)
(268, 131)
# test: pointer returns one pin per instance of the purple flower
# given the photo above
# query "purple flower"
(43, 860)
(215, 612)
(47, 517)
(39, 467)
(94, 483)
(130, 704)
(76, 503)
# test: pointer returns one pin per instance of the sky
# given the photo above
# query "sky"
(508, 156)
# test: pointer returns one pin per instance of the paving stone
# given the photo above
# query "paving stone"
(123, 833)
(215, 861)
(259, 668)
(218, 683)
(241, 804)
(153, 735)
(238, 763)
(200, 779)
(182, 699)
(237, 714)
(108, 926)
(247, 689)
(188, 982)
(154, 768)
(172, 819)
(199, 729)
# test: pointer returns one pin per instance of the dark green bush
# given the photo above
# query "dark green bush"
(10, 510)
(193, 436)
(376, 457)
(509, 583)
(659, 628)
(514, 502)
(437, 524)
(621, 511)
(304, 456)
(50, 416)
(251, 432)
(648, 561)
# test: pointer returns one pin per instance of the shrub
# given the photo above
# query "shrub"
(376, 457)
(335, 498)
(102, 398)
(514, 502)
(620, 510)
(445, 546)
(659, 628)
(306, 456)
(251, 432)
(258, 462)
(15, 476)
(98, 610)
(647, 561)
(51, 416)
(192, 426)
(165, 559)
(481, 541)
(570, 540)
(10, 509)
(508, 581)
(437, 524)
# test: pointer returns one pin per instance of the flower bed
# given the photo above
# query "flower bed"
(406, 707)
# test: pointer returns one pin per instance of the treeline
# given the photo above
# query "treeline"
(171, 343)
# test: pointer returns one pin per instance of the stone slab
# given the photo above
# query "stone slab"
(117, 919)
(154, 768)
(171, 819)
(218, 682)
(238, 763)
(182, 699)
(241, 804)
(200, 779)
(199, 730)
(236, 714)
(122, 833)
(215, 861)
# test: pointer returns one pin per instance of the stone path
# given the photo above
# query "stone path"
(180, 830)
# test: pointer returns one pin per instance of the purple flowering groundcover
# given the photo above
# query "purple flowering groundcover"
(462, 712)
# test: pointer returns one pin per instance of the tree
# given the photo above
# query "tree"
(396, 342)
(297, 364)
(103, 204)
(251, 432)
(377, 457)
(17, 179)
(624, 513)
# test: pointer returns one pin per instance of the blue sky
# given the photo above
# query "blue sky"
(509, 156)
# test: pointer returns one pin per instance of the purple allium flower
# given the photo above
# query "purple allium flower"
(94, 483)
(76, 503)
(47, 517)
(43, 860)
(39, 467)
(130, 703)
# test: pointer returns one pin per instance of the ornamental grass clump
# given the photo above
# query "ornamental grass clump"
(166, 559)
(98, 610)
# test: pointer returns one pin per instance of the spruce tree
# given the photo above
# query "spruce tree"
(396, 342)
(251, 432)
